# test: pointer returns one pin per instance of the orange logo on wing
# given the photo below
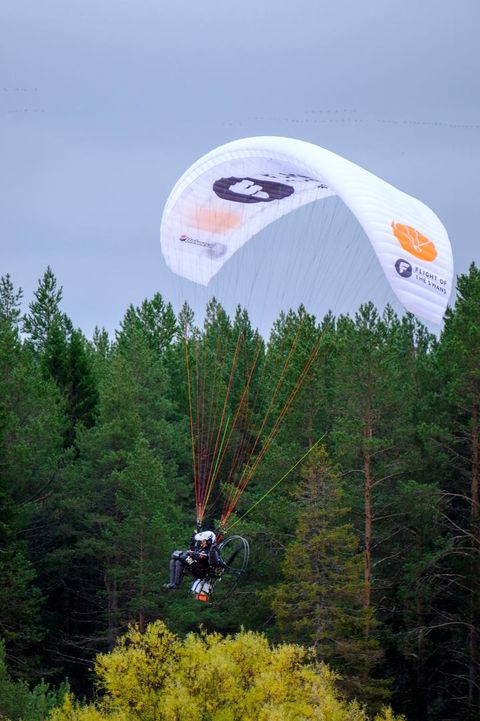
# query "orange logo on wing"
(213, 220)
(414, 242)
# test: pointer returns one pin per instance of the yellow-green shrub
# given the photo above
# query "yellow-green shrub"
(155, 676)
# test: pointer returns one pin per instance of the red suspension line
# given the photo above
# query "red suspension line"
(248, 475)
(212, 411)
(270, 406)
(218, 366)
(222, 418)
(192, 438)
(243, 398)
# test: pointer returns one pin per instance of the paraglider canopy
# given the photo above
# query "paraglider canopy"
(215, 208)
(236, 190)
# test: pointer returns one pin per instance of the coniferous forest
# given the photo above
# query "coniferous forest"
(367, 551)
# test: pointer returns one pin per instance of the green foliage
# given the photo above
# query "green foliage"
(454, 439)
(370, 554)
(44, 312)
(63, 354)
(13, 695)
(115, 504)
(10, 301)
(20, 703)
(20, 599)
(141, 538)
(321, 599)
(154, 319)
(31, 441)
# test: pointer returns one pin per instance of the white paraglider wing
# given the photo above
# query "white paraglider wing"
(233, 192)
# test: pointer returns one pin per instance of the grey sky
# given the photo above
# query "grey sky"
(104, 105)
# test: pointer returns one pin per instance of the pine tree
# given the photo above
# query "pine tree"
(157, 321)
(301, 352)
(31, 430)
(69, 360)
(126, 459)
(321, 600)
(370, 398)
(81, 382)
(10, 301)
(20, 606)
(44, 312)
(456, 435)
(63, 354)
(142, 540)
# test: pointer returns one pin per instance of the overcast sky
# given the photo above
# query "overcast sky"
(104, 104)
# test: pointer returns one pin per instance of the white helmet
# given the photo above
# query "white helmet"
(205, 536)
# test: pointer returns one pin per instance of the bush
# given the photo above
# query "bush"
(155, 676)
